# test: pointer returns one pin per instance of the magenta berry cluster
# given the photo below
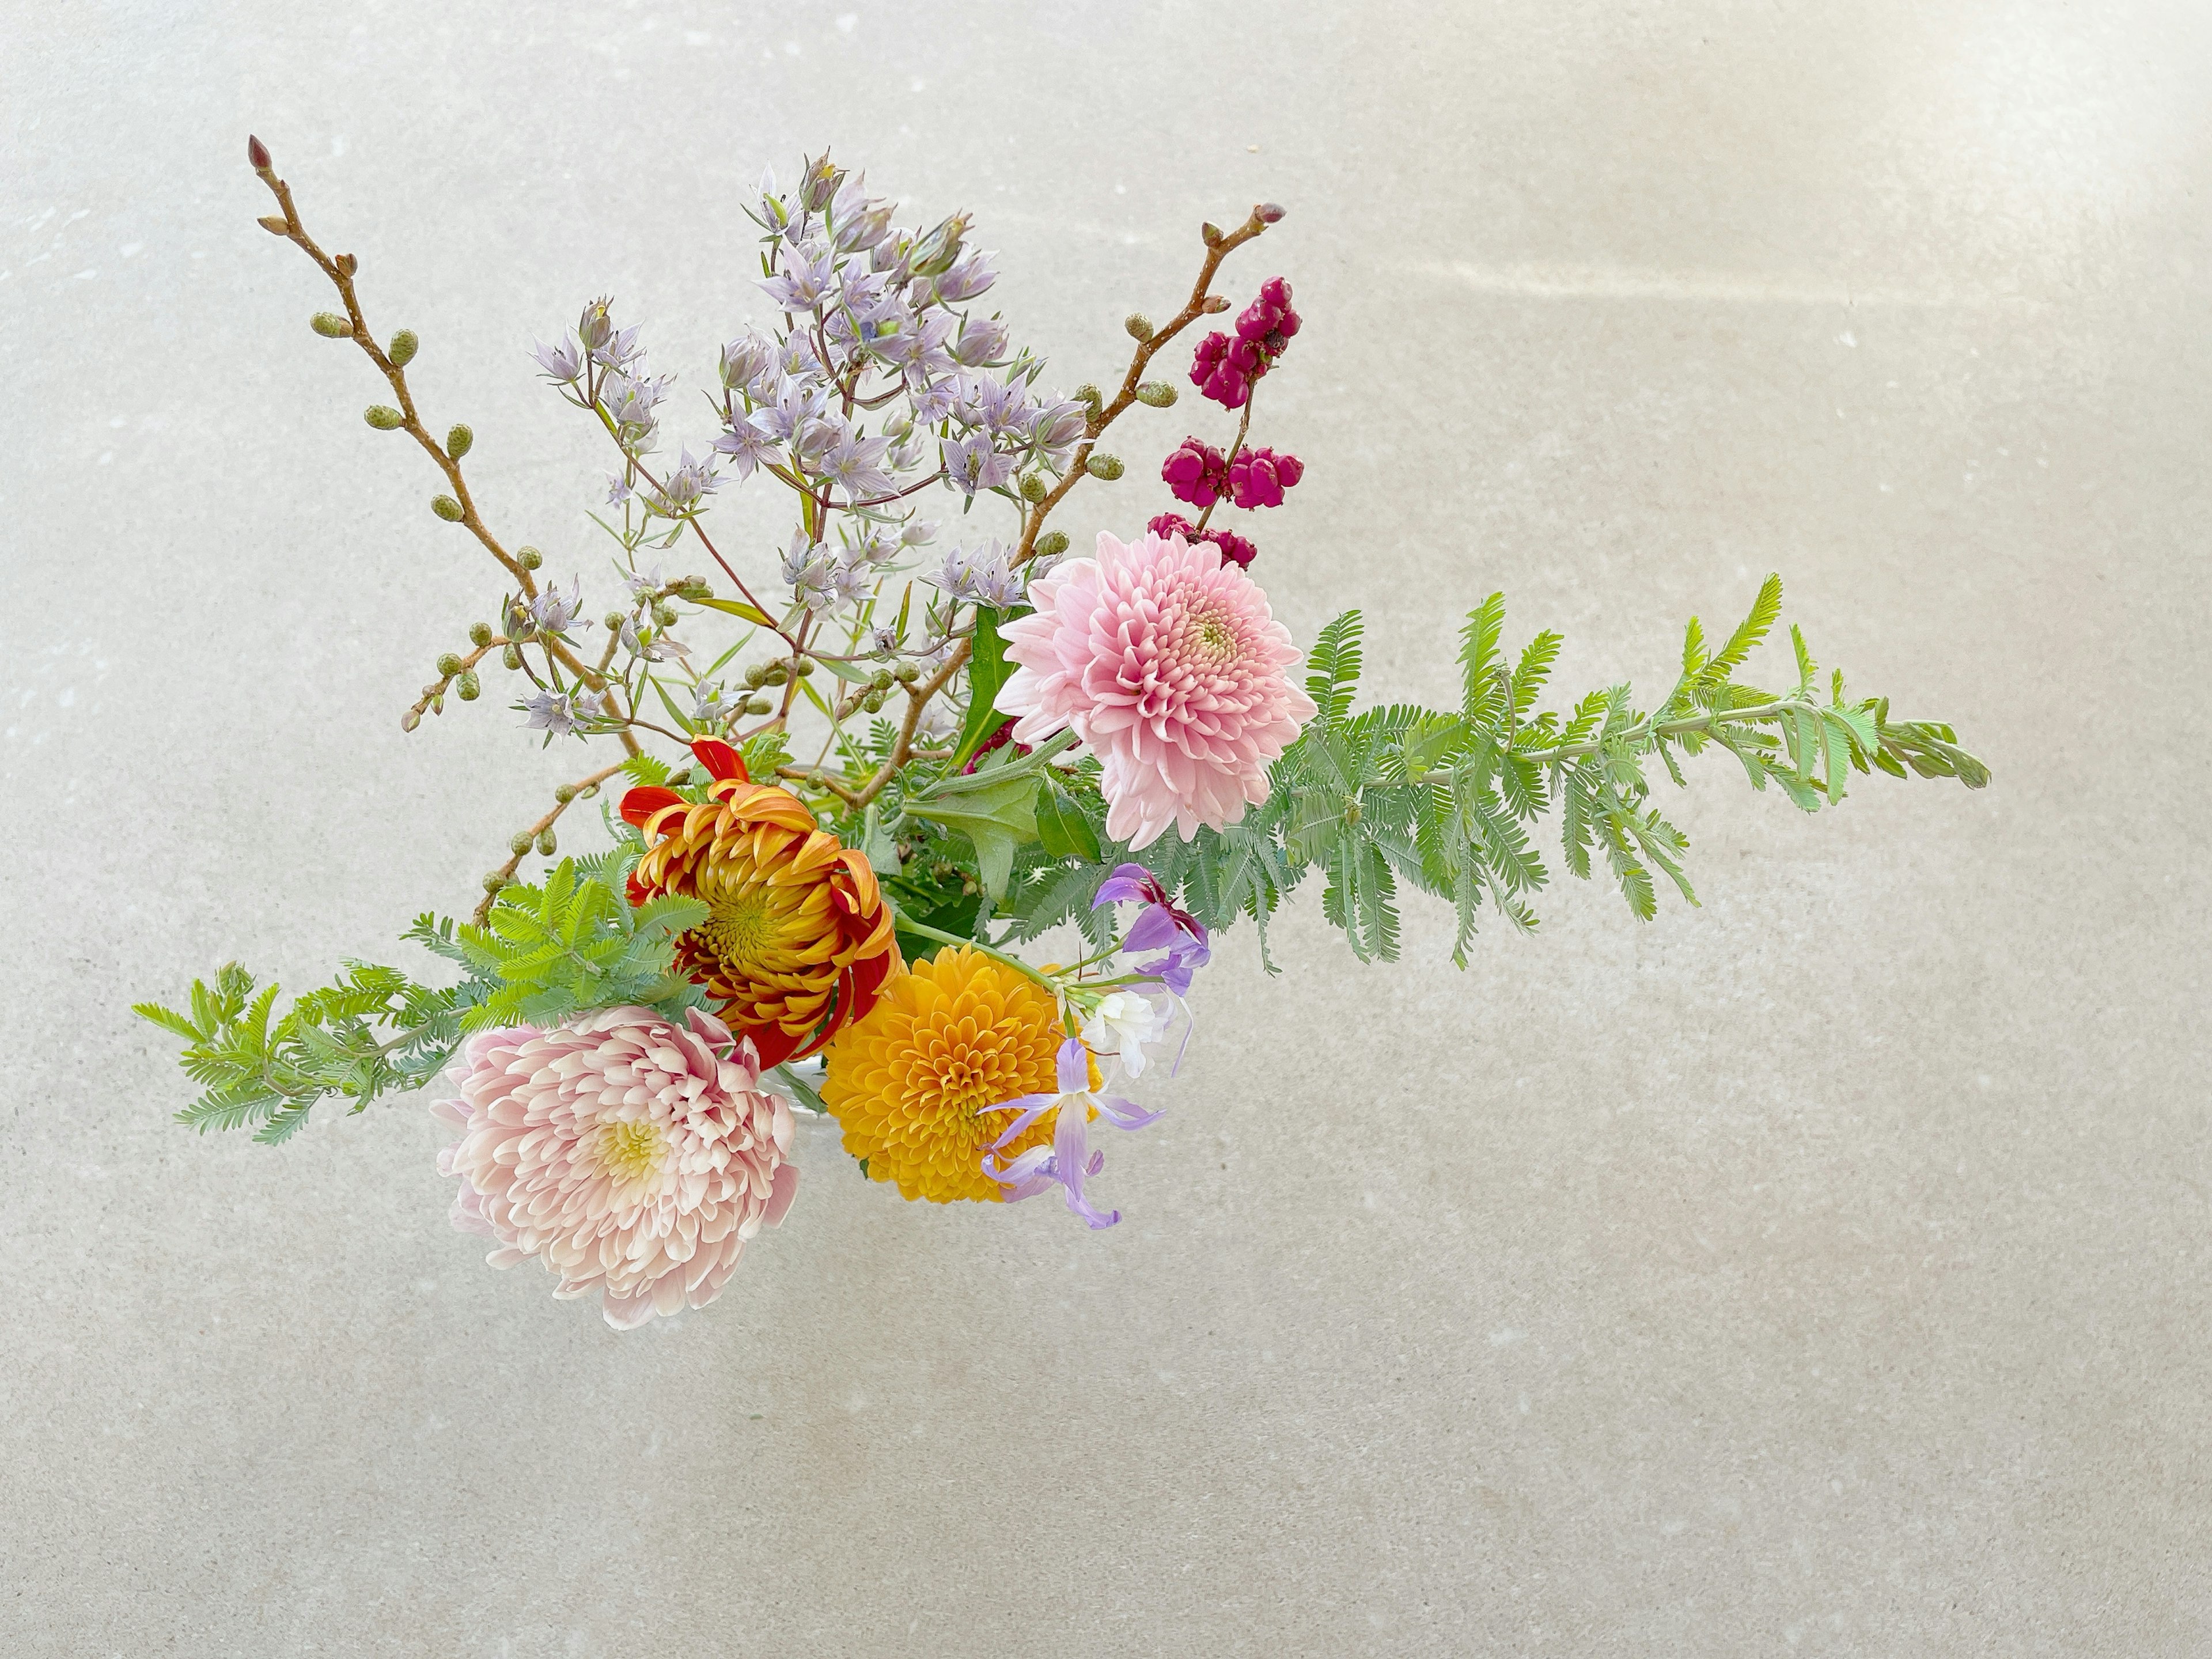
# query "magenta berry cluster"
(1225, 368)
(1235, 549)
(1258, 477)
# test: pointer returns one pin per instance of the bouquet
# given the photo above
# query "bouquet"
(844, 785)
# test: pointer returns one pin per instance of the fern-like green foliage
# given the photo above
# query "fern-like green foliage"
(543, 953)
(1447, 801)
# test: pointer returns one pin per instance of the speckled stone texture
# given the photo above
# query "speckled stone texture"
(1824, 1271)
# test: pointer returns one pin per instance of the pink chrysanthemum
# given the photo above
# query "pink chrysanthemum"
(1170, 666)
(634, 1156)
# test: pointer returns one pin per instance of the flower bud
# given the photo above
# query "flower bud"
(1088, 393)
(565, 793)
(775, 673)
(1140, 325)
(548, 843)
(450, 664)
(468, 688)
(1107, 467)
(759, 705)
(493, 882)
(805, 669)
(480, 634)
(1156, 394)
(347, 264)
(405, 344)
(1034, 488)
(256, 152)
(1267, 213)
(907, 673)
(872, 701)
(411, 719)
(512, 656)
(1215, 302)
(383, 417)
(757, 675)
(613, 619)
(331, 325)
(664, 615)
(458, 441)
(1052, 545)
(1212, 233)
(529, 557)
(694, 588)
(447, 509)
(519, 842)
(274, 224)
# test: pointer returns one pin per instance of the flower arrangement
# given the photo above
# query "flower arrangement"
(842, 787)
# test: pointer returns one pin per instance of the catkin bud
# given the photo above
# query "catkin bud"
(519, 842)
(872, 701)
(529, 557)
(906, 672)
(548, 843)
(1156, 394)
(493, 882)
(512, 656)
(759, 705)
(1052, 545)
(565, 793)
(480, 634)
(775, 673)
(383, 417)
(664, 615)
(331, 325)
(447, 509)
(469, 688)
(881, 680)
(1140, 325)
(1107, 467)
(757, 675)
(805, 669)
(457, 440)
(613, 619)
(1034, 488)
(274, 224)
(405, 344)
(450, 664)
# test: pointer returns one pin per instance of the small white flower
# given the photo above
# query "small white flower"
(1124, 1025)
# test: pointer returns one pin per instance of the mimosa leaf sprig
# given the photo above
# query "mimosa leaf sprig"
(861, 769)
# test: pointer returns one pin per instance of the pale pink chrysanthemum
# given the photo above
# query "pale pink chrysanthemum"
(1171, 668)
(632, 1155)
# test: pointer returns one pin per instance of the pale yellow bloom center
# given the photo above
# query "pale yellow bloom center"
(631, 1151)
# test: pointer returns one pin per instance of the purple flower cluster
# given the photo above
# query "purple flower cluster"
(1069, 1161)
(1159, 926)
(1225, 368)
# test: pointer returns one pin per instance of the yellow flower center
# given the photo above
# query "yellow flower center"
(631, 1151)
(741, 927)
(1216, 640)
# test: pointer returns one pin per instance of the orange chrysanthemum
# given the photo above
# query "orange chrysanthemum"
(912, 1082)
(798, 940)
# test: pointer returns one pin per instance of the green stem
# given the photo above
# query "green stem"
(1647, 728)
(909, 924)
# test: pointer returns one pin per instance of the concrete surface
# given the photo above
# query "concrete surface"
(1822, 1272)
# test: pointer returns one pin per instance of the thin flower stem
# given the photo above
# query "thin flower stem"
(1649, 728)
(340, 271)
(1243, 425)
(911, 926)
(506, 872)
(1200, 303)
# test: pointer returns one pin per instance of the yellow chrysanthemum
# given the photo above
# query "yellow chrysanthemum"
(911, 1082)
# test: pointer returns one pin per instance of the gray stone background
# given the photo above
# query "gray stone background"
(1821, 1271)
